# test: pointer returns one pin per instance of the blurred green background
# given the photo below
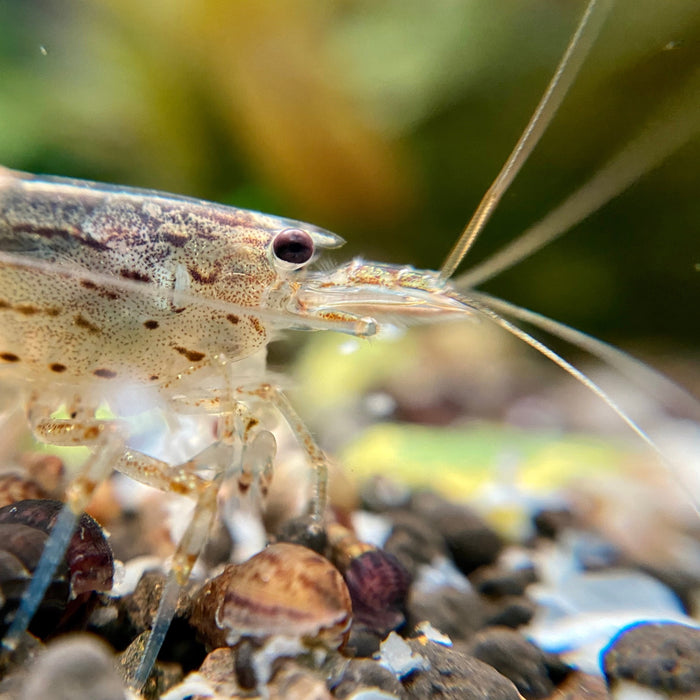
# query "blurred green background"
(384, 121)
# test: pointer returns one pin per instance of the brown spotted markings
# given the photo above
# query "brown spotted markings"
(106, 282)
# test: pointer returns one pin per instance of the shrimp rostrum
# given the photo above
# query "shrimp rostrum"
(139, 300)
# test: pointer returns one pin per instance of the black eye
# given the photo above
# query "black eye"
(293, 246)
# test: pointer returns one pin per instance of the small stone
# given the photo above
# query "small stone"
(362, 643)
(414, 541)
(549, 522)
(142, 605)
(366, 673)
(305, 531)
(292, 682)
(47, 471)
(470, 540)
(661, 656)
(510, 611)
(499, 581)
(218, 668)
(379, 494)
(455, 675)
(80, 667)
(217, 549)
(684, 583)
(14, 487)
(456, 613)
(514, 657)
(163, 675)
(581, 686)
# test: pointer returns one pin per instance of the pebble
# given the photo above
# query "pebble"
(414, 541)
(218, 670)
(454, 675)
(469, 539)
(517, 659)
(463, 595)
(304, 531)
(14, 487)
(456, 612)
(77, 667)
(495, 580)
(511, 611)
(663, 657)
(550, 522)
(163, 676)
(581, 686)
(142, 605)
(366, 674)
(293, 682)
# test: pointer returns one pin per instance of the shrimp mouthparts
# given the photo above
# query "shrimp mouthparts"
(392, 294)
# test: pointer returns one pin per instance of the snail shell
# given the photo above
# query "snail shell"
(285, 590)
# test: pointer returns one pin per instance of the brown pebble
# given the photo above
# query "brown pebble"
(550, 522)
(80, 667)
(456, 613)
(292, 682)
(581, 686)
(453, 674)
(305, 531)
(413, 540)
(363, 674)
(496, 581)
(470, 540)
(163, 675)
(510, 611)
(219, 670)
(14, 487)
(47, 471)
(661, 656)
(516, 658)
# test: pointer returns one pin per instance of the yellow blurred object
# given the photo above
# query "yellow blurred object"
(458, 462)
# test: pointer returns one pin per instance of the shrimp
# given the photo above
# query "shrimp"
(108, 291)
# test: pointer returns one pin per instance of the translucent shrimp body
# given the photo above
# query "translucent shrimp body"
(101, 285)
(116, 295)
(106, 288)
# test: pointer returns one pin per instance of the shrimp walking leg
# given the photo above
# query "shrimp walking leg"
(107, 441)
(252, 463)
(185, 556)
(317, 457)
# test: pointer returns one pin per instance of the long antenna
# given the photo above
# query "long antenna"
(566, 72)
(484, 305)
(676, 123)
(658, 385)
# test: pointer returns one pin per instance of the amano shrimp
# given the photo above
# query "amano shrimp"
(103, 288)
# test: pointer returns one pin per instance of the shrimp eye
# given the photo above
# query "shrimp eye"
(293, 246)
